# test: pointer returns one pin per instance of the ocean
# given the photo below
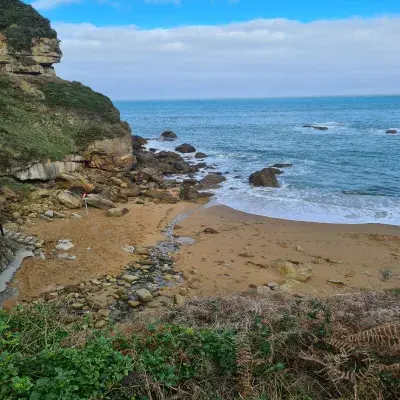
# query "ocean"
(349, 173)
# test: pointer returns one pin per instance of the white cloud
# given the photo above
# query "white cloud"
(162, 1)
(256, 58)
(48, 4)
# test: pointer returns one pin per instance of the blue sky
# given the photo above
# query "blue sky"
(169, 13)
(173, 49)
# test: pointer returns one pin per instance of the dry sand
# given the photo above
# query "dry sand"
(98, 241)
(241, 253)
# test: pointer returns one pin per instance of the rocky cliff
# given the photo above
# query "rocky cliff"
(47, 125)
(28, 44)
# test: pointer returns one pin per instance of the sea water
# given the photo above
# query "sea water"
(349, 173)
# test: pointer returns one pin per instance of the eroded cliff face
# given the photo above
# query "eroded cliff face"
(38, 60)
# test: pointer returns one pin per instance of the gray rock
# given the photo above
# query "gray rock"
(49, 213)
(69, 200)
(95, 200)
(185, 148)
(144, 295)
(263, 290)
(64, 244)
(117, 212)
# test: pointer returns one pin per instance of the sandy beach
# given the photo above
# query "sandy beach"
(244, 246)
(98, 242)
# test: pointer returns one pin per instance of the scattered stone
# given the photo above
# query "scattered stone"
(199, 154)
(246, 255)
(210, 231)
(185, 148)
(266, 178)
(273, 285)
(76, 216)
(263, 290)
(49, 214)
(95, 200)
(129, 249)
(301, 272)
(293, 286)
(95, 282)
(116, 212)
(130, 278)
(179, 300)
(144, 295)
(64, 244)
(100, 324)
(299, 249)
(77, 306)
(59, 215)
(336, 282)
(51, 296)
(142, 251)
(69, 200)
(133, 303)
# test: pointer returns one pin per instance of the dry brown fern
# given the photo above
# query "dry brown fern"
(244, 361)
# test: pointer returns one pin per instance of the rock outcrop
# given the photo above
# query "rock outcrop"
(391, 131)
(28, 44)
(266, 177)
(185, 148)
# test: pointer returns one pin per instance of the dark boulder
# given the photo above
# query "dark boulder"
(276, 171)
(278, 165)
(199, 154)
(266, 177)
(211, 181)
(319, 128)
(138, 142)
(391, 131)
(201, 165)
(190, 193)
(185, 148)
(168, 136)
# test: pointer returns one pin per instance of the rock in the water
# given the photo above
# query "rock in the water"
(98, 201)
(319, 128)
(185, 148)
(301, 272)
(199, 154)
(391, 131)
(278, 165)
(116, 212)
(144, 295)
(211, 181)
(138, 142)
(168, 136)
(69, 200)
(266, 177)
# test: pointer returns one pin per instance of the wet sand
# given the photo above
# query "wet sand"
(242, 251)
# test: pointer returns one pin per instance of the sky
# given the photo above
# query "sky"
(177, 49)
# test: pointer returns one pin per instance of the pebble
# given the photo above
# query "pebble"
(273, 285)
(144, 295)
(129, 278)
(129, 249)
(179, 300)
(96, 282)
(100, 324)
(133, 304)
(263, 290)
(77, 306)
(104, 313)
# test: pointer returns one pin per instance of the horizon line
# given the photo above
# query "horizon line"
(259, 97)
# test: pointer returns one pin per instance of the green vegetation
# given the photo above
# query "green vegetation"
(20, 23)
(291, 355)
(47, 118)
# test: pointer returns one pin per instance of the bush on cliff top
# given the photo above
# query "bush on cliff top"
(45, 118)
(20, 23)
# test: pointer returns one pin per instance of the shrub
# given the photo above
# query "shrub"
(21, 23)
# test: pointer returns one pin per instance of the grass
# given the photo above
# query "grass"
(235, 348)
(48, 118)
(20, 23)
